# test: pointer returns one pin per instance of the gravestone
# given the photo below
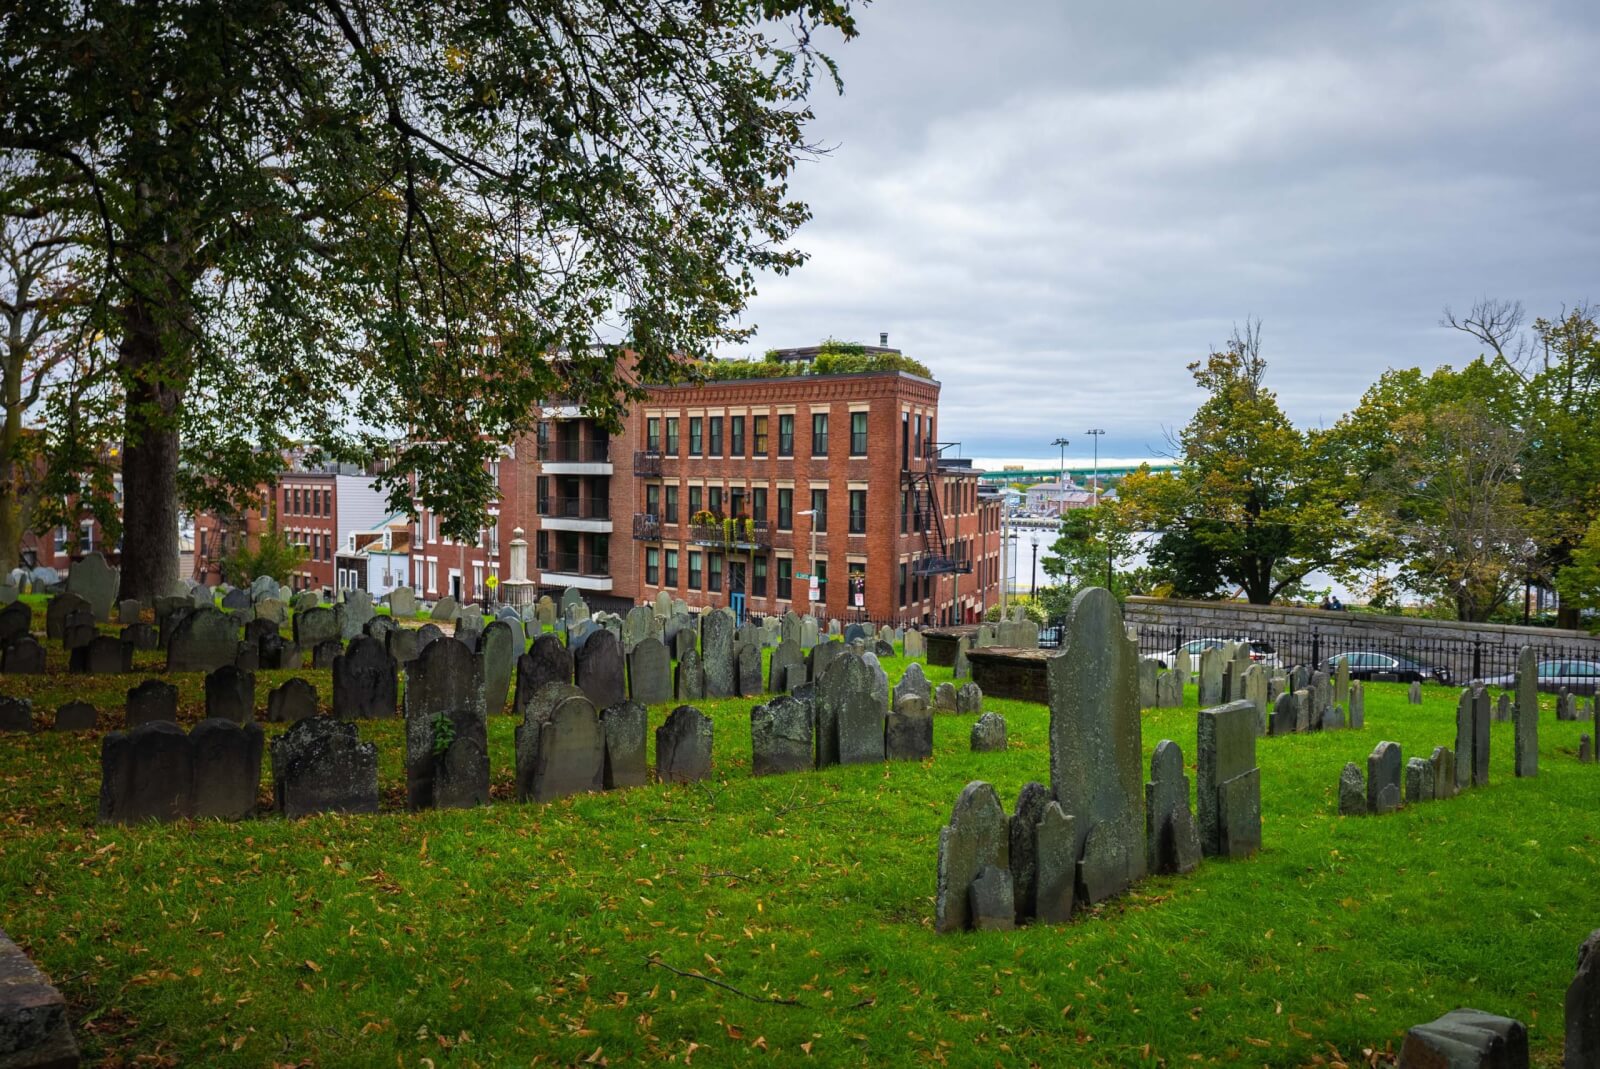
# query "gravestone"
(908, 732)
(305, 601)
(295, 699)
(402, 602)
(944, 698)
(1383, 778)
(230, 695)
(716, 653)
(76, 716)
(1171, 836)
(365, 681)
(1352, 792)
(915, 646)
(16, 715)
(747, 665)
(637, 625)
(129, 611)
(853, 632)
(1502, 709)
(326, 652)
(988, 734)
(689, 677)
(226, 765)
(57, 610)
(469, 625)
(547, 661)
(78, 631)
(969, 699)
(146, 773)
(237, 598)
(1525, 714)
(1585, 750)
(1582, 1047)
(537, 709)
(102, 655)
(15, 620)
(274, 611)
(1443, 761)
(150, 701)
(850, 719)
(1253, 689)
(24, 656)
(820, 657)
(1149, 672)
(993, 905)
(1466, 1039)
(650, 672)
(782, 737)
(262, 586)
(141, 636)
(447, 752)
(787, 668)
(1096, 757)
(1419, 780)
(625, 726)
(962, 666)
(320, 765)
(546, 612)
(1228, 783)
(1210, 679)
(314, 626)
(571, 754)
(598, 670)
(444, 610)
(1341, 682)
(683, 746)
(354, 613)
(1358, 706)
(915, 684)
(1414, 694)
(96, 582)
(203, 640)
(379, 627)
(977, 838)
(500, 646)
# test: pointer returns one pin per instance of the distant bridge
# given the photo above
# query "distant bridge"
(1035, 474)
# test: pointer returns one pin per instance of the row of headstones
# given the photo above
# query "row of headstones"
(1018, 632)
(1096, 818)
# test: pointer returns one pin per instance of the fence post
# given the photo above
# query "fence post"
(1316, 650)
(1477, 657)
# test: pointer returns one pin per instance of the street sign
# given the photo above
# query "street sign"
(815, 589)
(492, 582)
(807, 575)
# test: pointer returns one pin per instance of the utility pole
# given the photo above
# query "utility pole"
(1033, 593)
(1061, 476)
(1096, 435)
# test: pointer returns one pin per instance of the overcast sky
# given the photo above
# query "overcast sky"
(1057, 206)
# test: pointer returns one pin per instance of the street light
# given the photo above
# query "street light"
(1096, 435)
(811, 564)
(1061, 476)
(1033, 593)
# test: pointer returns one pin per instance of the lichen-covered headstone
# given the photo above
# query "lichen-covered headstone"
(447, 748)
(683, 746)
(782, 736)
(1172, 840)
(1210, 675)
(95, 582)
(1525, 714)
(976, 838)
(571, 754)
(203, 640)
(354, 612)
(850, 719)
(747, 667)
(1228, 783)
(1383, 778)
(445, 609)
(915, 646)
(314, 626)
(1352, 792)
(716, 653)
(787, 666)
(625, 725)
(500, 645)
(988, 734)
(689, 677)
(1419, 780)
(908, 730)
(969, 699)
(944, 698)
(1443, 760)
(1358, 706)
(320, 765)
(547, 661)
(649, 671)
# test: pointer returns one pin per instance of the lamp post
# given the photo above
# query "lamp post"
(1061, 475)
(1033, 591)
(1096, 435)
(811, 562)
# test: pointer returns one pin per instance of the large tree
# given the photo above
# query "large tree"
(352, 222)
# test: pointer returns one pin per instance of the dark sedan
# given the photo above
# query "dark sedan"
(1368, 664)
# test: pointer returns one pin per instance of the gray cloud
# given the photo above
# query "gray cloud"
(1057, 210)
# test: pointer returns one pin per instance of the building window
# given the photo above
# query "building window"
(819, 434)
(858, 512)
(672, 505)
(714, 573)
(819, 510)
(714, 446)
(652, 434)
(758, 577)
(672, 567)
(785, 509)
(477, 577)
(86, 536)
(672, 436)
(785, 578)
(736, 436)
(758, 432)
(758, 504)
(652, 566)
(61, 539)
(714, 500)
(905, 510)
(786, 436)
(494, 538)
(327, 502)
(902, 585)
(296, 510)
(652, 499)
(694, 569)
(696, 432)
(858, 434)
(694, 500)
(433, 576)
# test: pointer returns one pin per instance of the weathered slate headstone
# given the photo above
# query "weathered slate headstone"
(76, 716)
(447, 751)
(650, 671)
(292, 701)
(1582, 1047)
(15, 620)
(1443, 761)
(146, 773)
(782, 737)
(571, 754)
(227, 769)
(537, 708)
(320, 765)
(1352, 792)
(1253, 689)
(1419, 780)
(988, 734)
(1149, 672)
(1210, 677)
(915, 646)
(1228, 787)
(908, 732)
(944, 698)
(625, 726)
(230, 695)
(58, 609)
(1341, 681)
(683, 746)
(787, 666)
(747, 669)
(1585, 750)
(203, 640)
(1525, 714)
(25, 656)
(1466, 1039)
(1358, 706)
(1502, 708)
(993, 905)
(547, 661)
(354, 612)
(402, 602)
(969, 699)
(1383, 778)
(365, 681)
(237, 598)
(598, 670)
(315, 626)
(962, 668)
(914, 683)
(821, 656)
(96, 582)
(445, 609)
(16, 715)
(500, 647)
(850, 719)
(689, 677)
(977, 838)
(150, 701)
(1096, 757)
(78, 630)
(1171, 836)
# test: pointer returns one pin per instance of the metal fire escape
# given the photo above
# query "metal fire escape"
(920, 480)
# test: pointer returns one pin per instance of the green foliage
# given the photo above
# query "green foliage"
(1089, 551)
(274, 555)
(444, 733)
(834, 358)
(1579, 581)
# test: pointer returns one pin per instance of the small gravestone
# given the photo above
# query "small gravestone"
(96, 582)
(850, 720)
(716, 653)
(58, 609)
(820, 657)
(1419, 780)
(650, 671)
(969, 699)
(469, 625)
(915, 684)
(447, 751)
(547, 661)
(294, 700)
(1358, 706)
(500, 646)
(993, 906)
(76, 716)
(1228, 787)
(1149, 674)
(16, 715)
(25, 656)
(129, 611)
(1341, 681)
(1466, 1039)
(444, 610)
(150, 701)
(15, 620)
(1582, 1048)
(203, 640)
(314, 626)
(1103, 869)
(1585, 750)
(1210, 675)
(379, 628)
(625, 726)
(1443, 760)
(854, 632)
(146, 773)
(141, 636)
(988, 734)
(227, 769)
(403, 644)
(237, 598)
(1502, 708)
(1172, 839)
(1169, 691)
(1525, 714)
(354, 613)
(598, 670)
(1383, 778)
(78, 630)
(230, 695)
(571, 754)
(402, 602)
(683, 746)
(747, 666)
(787, 667)
(1566, 706)
(782, 737)
(908, 732)
(1024, 849)
(326, 652)
(1352, 792)
(944, 698)
(977, 838)
(689, 677)
(546, 612)
(320, 765)
(915, 646)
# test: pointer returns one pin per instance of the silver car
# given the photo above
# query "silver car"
(1261, 652)
(1578, 677)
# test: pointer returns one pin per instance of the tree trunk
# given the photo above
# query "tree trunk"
(149, 460)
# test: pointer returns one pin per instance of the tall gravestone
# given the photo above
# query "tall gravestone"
(1383, 778)
(683, 746)
(747, 669)
(598, 669)
(95, 582)
(649, 671)
(788, 666)
(1228, 787)
(977, 838)
(365, 681)
(447, 746)
(1582, 1047)
(850, 717)
(689, 676)
(1211, 662)
(499, 644)
(571, 755)
(547, 661)
(537, 709)
(203, 640)
(1096, 755)
(716, 653)
(230, 694)
(626, 726)
(1525, 715)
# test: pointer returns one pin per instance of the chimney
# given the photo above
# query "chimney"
(883, 339)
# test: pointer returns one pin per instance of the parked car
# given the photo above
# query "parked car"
(1578, 677)
(1364, 664)
(1261, 652)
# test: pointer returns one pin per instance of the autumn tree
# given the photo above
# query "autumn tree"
(394, 228)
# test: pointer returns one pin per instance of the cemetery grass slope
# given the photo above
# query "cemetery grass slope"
(767, 921)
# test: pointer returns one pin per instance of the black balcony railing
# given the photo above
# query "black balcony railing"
(647, 463)
(732, 534)
(575, 451)
(574, 564)
(575, 508)
(647, 527)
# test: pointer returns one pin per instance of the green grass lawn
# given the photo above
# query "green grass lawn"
(767, 921)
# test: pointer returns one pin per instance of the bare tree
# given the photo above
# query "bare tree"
(1498, 324)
